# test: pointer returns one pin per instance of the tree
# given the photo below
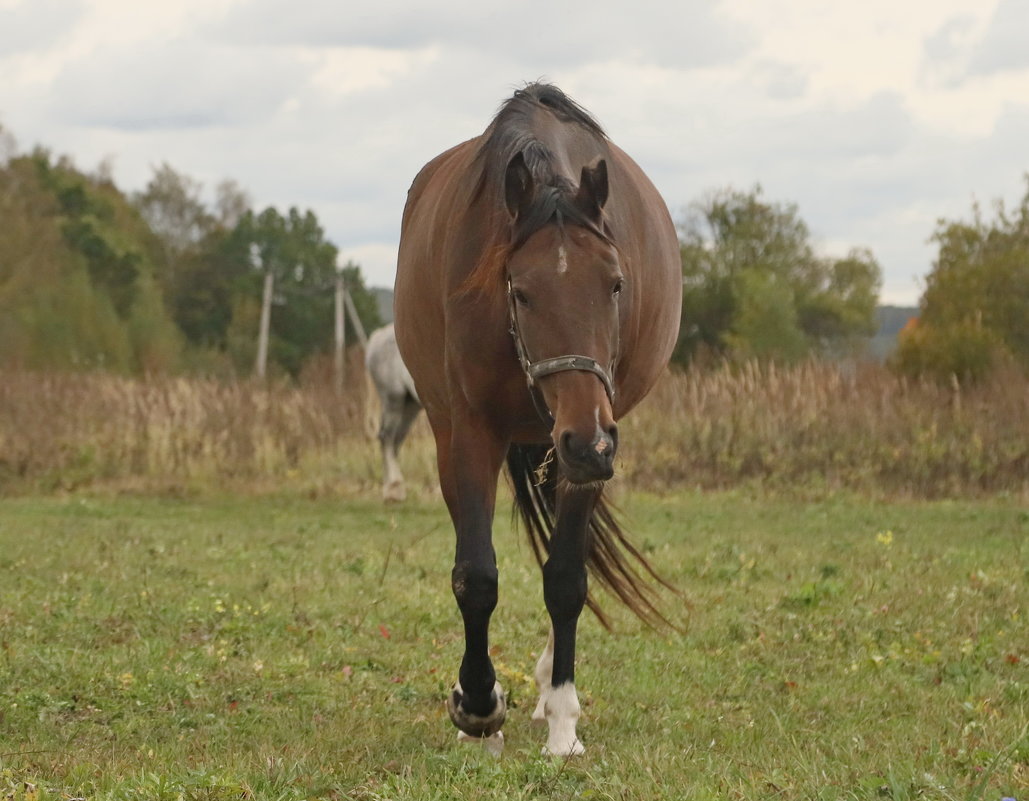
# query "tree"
(90, 278)
(231, 203)
(303, 263)
(8, 146)
(186, 234)
(975, 307)
(197, 276)
(765, 325)
(172, 206)
(754, 288)
(213, 284)
(76, 273)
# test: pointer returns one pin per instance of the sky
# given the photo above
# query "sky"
(876, 119)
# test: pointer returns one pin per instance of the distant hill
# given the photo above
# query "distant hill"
(890, 320)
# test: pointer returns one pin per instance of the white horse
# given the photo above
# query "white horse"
(400, 405)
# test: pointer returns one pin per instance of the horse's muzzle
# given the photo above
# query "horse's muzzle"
(587, 460)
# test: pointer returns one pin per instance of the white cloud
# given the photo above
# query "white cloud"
(41, 24)
(533, 32)
(378, 262)
(183, 84)
(1003, 48)
(340, 71)
(876, 118)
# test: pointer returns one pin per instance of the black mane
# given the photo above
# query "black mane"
(548, 95)
(511, 133)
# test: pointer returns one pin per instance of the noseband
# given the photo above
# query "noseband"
(544, 367)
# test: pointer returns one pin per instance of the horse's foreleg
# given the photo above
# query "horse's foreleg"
(469, 465)
(391, 433)
(393, 488)
(564, 591)
(397, 417)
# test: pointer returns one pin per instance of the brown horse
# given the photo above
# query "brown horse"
(537, 300)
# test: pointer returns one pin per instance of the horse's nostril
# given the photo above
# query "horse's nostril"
(601, 448)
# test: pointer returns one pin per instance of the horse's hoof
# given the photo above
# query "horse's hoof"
(494, 744)
(395, 492)
(574, 748)
(477, 726)
(560, 708)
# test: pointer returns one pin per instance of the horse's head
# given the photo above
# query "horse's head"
(566, 287)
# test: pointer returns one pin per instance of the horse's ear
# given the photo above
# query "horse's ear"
(518, 186)
(592, 194)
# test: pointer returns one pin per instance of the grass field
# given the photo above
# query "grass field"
(277, 647)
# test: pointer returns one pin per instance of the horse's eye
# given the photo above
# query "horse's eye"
(617, 289)
(520, 297)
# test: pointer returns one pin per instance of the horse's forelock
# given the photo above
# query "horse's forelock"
(512, 133)
(553, 205)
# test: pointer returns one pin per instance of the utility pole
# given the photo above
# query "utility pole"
(341, 332)
(355, 319)
(345, 306)
(261, 364)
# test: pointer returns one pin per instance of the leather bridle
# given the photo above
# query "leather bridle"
(535, 370)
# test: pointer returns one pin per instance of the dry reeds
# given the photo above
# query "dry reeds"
(825, 425)
(811, 426)
(68, 429)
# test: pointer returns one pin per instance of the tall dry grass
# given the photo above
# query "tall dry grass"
(824, 425)
(812, 426)
(65, 430)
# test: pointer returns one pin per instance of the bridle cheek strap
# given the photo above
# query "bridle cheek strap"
(557, 364)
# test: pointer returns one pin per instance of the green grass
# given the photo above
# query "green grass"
(278, 647)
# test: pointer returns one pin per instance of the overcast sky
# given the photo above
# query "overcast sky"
(876, 118)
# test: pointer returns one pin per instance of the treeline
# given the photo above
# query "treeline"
(974, 313)
(755, 289)
(158, 281)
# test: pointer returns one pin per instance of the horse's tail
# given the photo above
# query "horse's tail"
(614, 561)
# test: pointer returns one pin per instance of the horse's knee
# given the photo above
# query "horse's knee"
(475, 587)
(564, 588)
(388, 434)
